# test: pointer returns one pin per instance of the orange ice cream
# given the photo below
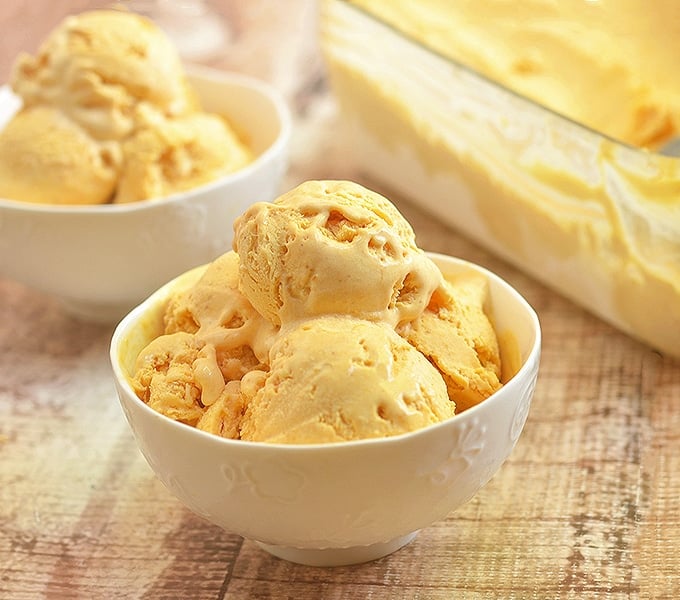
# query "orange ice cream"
(47, 158)
(455, 334)
(109, 87)
(211, 336)
(338, 378)
(332, 247)
(173, 155)
(104, 69)
(326, 324)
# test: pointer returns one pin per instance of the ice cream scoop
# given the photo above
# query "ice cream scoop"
(218, 314)
(47, 158)
(338, 378)
(457, 337)
(330, 247)
(211, 336)
(165, 156)
(166, 380)
(103, 69)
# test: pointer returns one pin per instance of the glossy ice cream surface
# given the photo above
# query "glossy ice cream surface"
(317, 375)
(211, 335)
(455, 334)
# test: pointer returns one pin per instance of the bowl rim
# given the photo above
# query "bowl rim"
(241, 80)
(531, 362)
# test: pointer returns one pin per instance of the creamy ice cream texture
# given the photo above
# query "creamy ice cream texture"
(235, 359)
(338, 378)
(608, 64)
(173, 155)
(102, 69)
(332, 247)
(454, 333)
(47, 158)
(119, 81)
(211, 336)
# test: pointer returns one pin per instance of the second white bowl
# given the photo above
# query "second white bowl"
(102, 260)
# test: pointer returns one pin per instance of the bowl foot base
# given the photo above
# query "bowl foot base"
(335, 557)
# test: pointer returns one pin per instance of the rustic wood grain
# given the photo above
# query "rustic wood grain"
(586, 507)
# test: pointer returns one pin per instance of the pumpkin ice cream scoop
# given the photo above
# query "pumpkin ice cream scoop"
(337, 378)
(211, 337)
(101, 68)
(457, 337)
(330, 247)
(165, 156)
(45, 157)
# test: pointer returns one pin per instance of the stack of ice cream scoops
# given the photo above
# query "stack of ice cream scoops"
(325, 323)
(108, 115)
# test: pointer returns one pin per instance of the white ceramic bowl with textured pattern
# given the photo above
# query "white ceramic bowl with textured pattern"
(101, 261)
(337, 503)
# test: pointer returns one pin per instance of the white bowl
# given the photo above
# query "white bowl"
(102, 260)
(342, 503)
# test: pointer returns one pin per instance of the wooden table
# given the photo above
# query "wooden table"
(586, 507)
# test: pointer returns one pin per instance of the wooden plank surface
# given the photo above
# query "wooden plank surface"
(587, 506)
